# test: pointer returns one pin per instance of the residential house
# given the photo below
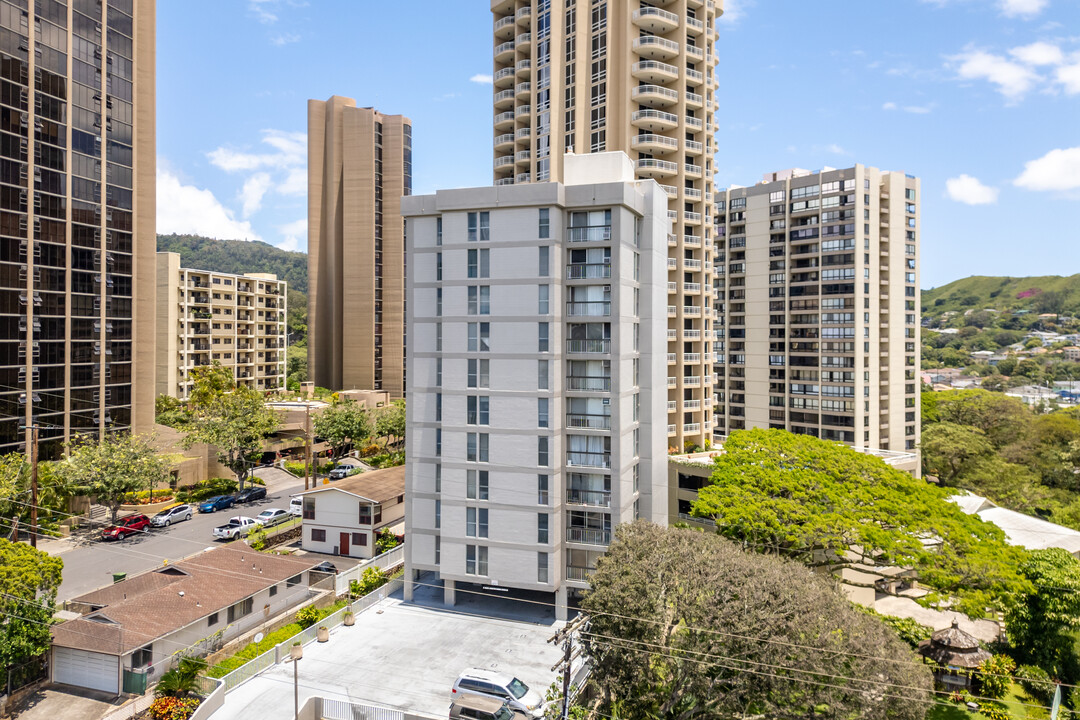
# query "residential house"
(130, 631)
(1032, 394)
(344, 517)
(982, 355)
(1071, 353)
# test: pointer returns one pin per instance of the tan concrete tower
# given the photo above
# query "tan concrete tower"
(359, 167)
(589, 76)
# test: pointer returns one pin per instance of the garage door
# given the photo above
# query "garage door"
(86, 669)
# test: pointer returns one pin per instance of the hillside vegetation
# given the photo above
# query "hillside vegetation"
(1048, 294)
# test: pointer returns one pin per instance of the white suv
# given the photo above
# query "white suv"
(488, 683)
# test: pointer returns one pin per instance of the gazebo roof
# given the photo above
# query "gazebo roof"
(952, 646)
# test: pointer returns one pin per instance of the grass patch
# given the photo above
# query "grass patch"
(948, 711)
(253, 650)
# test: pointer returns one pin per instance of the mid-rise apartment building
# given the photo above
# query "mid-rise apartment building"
(206, 317)
(587, 76)
(818, 288)
(359, 167)
(537, 364)
(77, 219)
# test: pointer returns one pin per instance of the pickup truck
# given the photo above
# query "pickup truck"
(236, 527)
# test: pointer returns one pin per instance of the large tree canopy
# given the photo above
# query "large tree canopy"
(111, 467)
(30, 579)
(343, 422)
(685, 625)
(798, 496)
(1041, 620)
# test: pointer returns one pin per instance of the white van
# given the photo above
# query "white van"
(296, 505)
(488, 683)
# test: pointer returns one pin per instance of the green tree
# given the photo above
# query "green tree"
(344, 421)
(181, 680)
(1041, 621)
(826, 504)
(235, 420)
(949, 449)
(1001, 418)
(994, 676)
(386, 541)
(170, 412)
(110, 468)
(30, 579)
(390, 422)
(684, 624)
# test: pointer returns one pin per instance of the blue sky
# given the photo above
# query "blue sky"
(980, 98)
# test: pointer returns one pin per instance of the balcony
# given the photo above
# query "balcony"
(673, 334)
(654, 71)
(692, 170)
(672, 193)
(671, 358)
(691, 218)
(523, 90)
(524, 15)
(691, 358)
(504, 120)
(672, 311)
(578, 574)
(588, 383)
(588, 347)
(504, 161)
(655, 48)
(580, 421)
(691, 311)
(588, 271)
(691, 288)
(691, 428)
(504, 99)
(522, 157)
(691, 263)
(695, 52)
(655, 144)
(523, 67)
(502, 7)
(654, 95)
(691, 241)
(694, 78)
(583, 458)
(670, 430)
(655, 20)
(671, 382)
(691, 193)
(654, 120)
(590, 233)
(693, 100)
(691, 405)
(504, 141)
(695, 26)
(693, 123)
(504, 28)
(671, 263)
(653, 168)
(523, 111)
(691, 381)
(524, 133)
(523, 41)
(504, 181)
(522, 178)
(672, 288)
(592, 498)
(504, 77)
(588, 536)
(691, 334)
(504, 51)
(595, 308)
(693, 147)
(672, 406)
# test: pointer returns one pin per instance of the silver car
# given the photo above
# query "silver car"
(168, 516)
(273, 516)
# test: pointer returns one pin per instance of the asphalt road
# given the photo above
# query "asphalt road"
(90, 565)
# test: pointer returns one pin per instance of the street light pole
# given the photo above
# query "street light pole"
(296, 652)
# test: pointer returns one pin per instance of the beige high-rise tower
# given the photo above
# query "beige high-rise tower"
(77, 219)
(359, 167)
(588, 76)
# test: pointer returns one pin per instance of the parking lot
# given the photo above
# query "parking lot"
(407, 656)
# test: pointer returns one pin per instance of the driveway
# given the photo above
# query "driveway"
(407, 656)
(61, 702)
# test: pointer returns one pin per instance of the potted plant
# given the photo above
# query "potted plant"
(296, 651)
(322, 634)
(349, 618)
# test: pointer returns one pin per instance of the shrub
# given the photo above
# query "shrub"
(370, 450)
(386, 541)
(372, 579)
(171, 708)
(307, 616)
(207, 489)
(386, 460)
(1036, 682)
(994, 675)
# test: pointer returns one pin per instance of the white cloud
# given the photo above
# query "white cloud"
(295, 182)
(1056, 170)
(1069, 77)
(913, 109)
(968, 190)
(1022, 8)
(291, 151)
(261, 10)
(889, 106)
(285, 39)
(1013, 79)
(251, 195)
(482, 79)
(295, 235)
(734, 10)
(187, 209)
(1038, 53)
(836, 149)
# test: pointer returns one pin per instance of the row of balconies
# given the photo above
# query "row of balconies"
(689, 358)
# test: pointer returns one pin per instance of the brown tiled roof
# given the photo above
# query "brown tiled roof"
(952, 646)
(377, 485)
(146, 608)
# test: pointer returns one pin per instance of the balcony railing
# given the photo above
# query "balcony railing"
(589, 383)
(580, 574)
(590, 233)
(588, 421)
(588, 536)
(588, 271)
(588, 346)
(595, 498)
(591, 308)
(658, 115)
(588, 459)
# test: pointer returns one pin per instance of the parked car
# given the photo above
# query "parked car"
(169, 515)
(273, 516)
(126, 526)
(483, 708)
(251, 494)
(477, 682)
(296, 506)
(341, 471)
(218, 502)
(238, 526)
(326, 567)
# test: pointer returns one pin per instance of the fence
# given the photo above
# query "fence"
(214, 700)
(281, 651)
(19, 676)
(388, 559)
(320, 708)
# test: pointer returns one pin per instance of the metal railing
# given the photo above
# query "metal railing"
(590, 233)
(588, 346)
(580, 574)
(597, 498)
(588, 459)
(588, 536)
(588, 421)
(589, 308)
(595, 383)
(386, 560)
(651, 114)
(588, 271)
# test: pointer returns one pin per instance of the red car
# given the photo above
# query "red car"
(126, 526)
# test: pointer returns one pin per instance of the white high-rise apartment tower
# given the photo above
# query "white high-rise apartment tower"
(636, 76)
(537, 359)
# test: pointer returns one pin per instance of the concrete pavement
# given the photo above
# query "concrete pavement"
(61, 702)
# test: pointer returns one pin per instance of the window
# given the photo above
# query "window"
(476, 560)
(438, 337)
(479, 263)
(476, 484)
(477, 410)
(144, 657)
(543, 304)
(478, 373)
(212, 620)
(318, 535)
(438, 372)
(476, 522)
(542, 374)
(293, 581)
(438, 514)
(273, 590)
(438, 407)
(479, 300)
(438, 230)
(240, 609)
(542, 331)
(370, 514)
(545, 223)
(479, 334)
(438, 478)
(438, 549)
(542, 528)
(542, 451)
(309, 508)
(359, 539)
(438, 266)
(542, 412)
(545, 261)
(541, 489)
(438, 442)
(541, 567)
(478, 227)
(476, 447)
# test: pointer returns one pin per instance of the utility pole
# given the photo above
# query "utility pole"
(566, 637)
(307, 463)
(33, 452)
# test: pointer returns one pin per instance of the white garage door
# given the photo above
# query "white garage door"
(86, 669)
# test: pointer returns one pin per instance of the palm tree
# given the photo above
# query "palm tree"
(182, 679)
